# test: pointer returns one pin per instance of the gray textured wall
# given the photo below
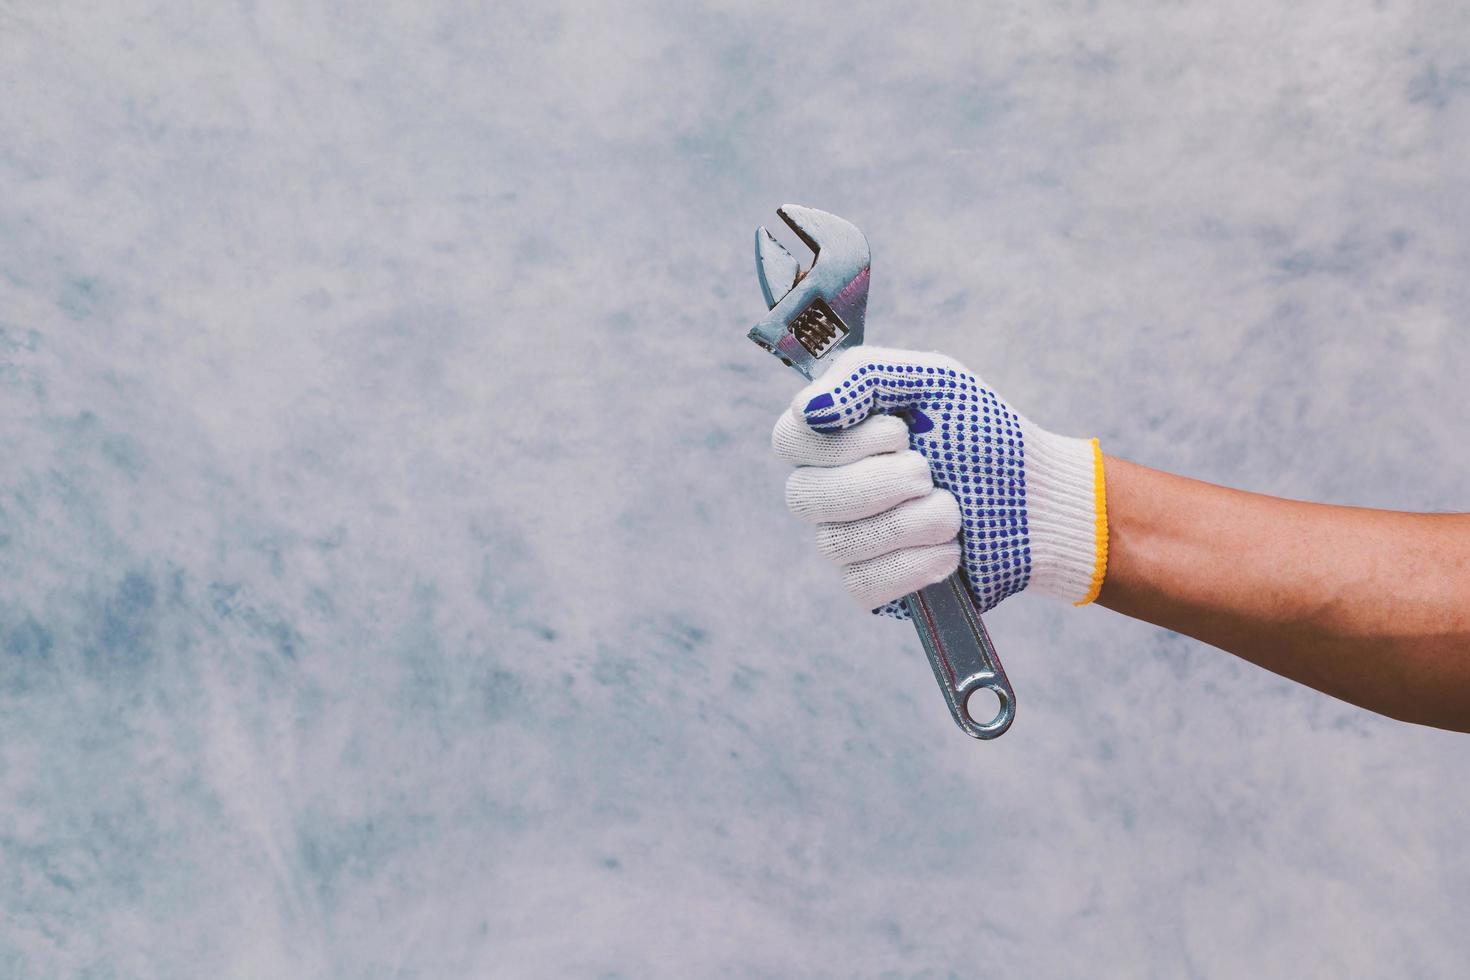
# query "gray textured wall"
(396, 579)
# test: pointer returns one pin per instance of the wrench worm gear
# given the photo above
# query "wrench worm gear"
(813, 315)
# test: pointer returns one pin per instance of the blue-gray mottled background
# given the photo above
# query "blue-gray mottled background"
(396, 581)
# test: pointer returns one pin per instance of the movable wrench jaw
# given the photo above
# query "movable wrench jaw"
(776, 268)
(816, 313)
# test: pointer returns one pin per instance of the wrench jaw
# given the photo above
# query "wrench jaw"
(776, 268)
(819, 312)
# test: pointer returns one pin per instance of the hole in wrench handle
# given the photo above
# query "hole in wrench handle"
(961, 653)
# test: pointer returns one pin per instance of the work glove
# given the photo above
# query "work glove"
(911, 467)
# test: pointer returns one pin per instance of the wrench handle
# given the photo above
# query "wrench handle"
(960, 651)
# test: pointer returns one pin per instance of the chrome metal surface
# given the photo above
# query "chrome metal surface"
(961, 654)
(776, 267)
(837, 279)
(812, 317)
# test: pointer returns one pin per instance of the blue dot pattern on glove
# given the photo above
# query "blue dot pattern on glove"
(973, 443)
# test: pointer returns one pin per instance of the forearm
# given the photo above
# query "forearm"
(1369, 606)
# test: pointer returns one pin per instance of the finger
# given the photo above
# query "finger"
(931, 519)
(867, 379)
(795, 442)
(856, 490)
(887, 577)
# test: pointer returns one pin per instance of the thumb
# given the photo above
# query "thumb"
(864, 380)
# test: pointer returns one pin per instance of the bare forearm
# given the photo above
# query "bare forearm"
(1369, 606)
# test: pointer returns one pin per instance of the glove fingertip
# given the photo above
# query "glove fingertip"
(836, 411)
(824, 400)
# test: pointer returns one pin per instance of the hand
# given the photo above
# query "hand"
(912, 467)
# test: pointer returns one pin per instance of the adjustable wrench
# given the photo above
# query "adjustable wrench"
(813, 315)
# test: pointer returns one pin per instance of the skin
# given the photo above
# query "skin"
(1369, 606)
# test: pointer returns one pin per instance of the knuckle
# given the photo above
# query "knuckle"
(949, 363)
(800, 494)
(781, 433)
(829, 541)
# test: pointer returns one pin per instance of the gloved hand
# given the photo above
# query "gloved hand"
(911, 466)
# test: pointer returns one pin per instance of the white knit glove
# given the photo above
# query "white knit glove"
(911, 467)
